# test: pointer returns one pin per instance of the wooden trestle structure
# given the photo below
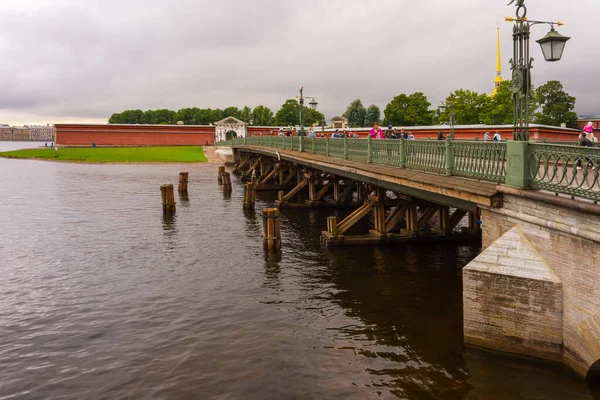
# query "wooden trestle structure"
(394, 217)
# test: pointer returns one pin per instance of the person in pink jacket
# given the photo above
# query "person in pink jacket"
(376, 132)
(589, 128)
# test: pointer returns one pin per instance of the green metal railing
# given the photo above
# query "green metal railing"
(552, 167)
(480, 160)
(563, 169)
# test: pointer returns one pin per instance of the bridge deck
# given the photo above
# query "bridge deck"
(434, 187)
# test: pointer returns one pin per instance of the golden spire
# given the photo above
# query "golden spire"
(498, 79)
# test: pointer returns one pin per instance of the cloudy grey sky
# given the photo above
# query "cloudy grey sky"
(82, 60)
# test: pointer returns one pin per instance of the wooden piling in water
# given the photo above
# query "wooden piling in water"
(183, 182)
(249, 194)
(220, 173)
(168, 199)
(226, 179)
(271, 238)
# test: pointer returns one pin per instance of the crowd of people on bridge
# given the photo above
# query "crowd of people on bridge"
(377, 133)
(391, 133)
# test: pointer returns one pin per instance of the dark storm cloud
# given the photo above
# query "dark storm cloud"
(68, 60)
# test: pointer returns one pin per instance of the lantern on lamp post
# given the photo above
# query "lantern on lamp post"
(552, 46)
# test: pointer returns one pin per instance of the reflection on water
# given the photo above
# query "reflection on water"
(103, 296)
(184, 199)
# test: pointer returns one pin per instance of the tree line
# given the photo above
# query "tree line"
(287, 115)
(549, 105)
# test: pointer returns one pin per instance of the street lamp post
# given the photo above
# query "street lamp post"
(552, 45)
(449, 105)
(312, 104)
(518, 152)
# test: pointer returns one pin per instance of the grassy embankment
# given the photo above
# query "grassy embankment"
(113, 154)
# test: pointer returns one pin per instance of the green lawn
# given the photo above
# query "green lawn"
(113, 154)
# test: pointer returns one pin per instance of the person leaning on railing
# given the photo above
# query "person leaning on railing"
(585, 142)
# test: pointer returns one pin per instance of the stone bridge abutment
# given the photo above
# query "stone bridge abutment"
(535, 288)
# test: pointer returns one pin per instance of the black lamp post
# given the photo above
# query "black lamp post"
(312, 104)
(552, 45)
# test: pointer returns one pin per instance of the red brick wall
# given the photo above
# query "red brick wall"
(261, 130)
(583, 123)
(133, 135)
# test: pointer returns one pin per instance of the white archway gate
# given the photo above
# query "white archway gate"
(228, 128)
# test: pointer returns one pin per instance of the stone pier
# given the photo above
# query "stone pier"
(535, 288)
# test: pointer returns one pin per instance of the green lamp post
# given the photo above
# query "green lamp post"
(312, 104)
(519, 171)
(449, 106)
(552, 46)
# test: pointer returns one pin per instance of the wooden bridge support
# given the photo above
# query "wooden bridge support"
(253, 166)
(271, 238)
(183, 182)
(168, 199)
(249, 195)
(239, 168)
(416, 218)
(226, 183)
(340, 197)
(270, 174)
(220, 171)
(283, 201)
(321, 193)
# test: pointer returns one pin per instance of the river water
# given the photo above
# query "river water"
(101, 297)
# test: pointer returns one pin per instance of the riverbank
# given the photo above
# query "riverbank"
(169, 154)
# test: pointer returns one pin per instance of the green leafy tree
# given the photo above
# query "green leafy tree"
(500, 110)
(187, 115)
(127, 117)
(355, 114)
(408, 110)
(232, 112)
(556, 105)
(158, 117)
(312, 117)
(262, 116)
(469, 107)
(288, 114)
(202, 116)
(116, 118)
(216, 115)
(246, 115)
(373, 115)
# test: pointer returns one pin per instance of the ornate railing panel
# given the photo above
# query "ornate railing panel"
(386, 152)
(336, 147)
(566, 169)
(426, 155)
(480, 160)
(357, 149)
(321, 146)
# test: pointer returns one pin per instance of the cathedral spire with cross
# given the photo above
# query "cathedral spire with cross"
(498, 79)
